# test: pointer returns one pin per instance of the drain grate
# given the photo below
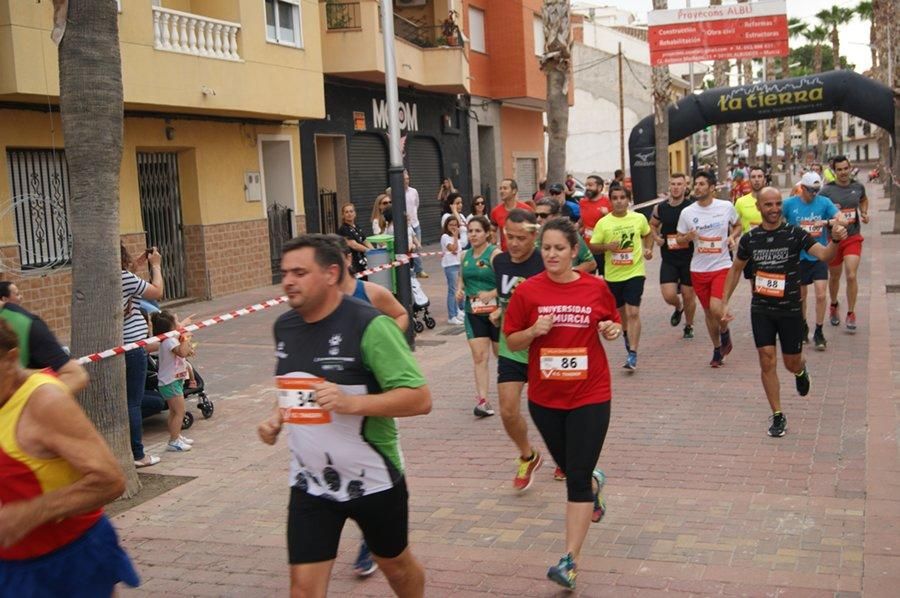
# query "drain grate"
(892, 288)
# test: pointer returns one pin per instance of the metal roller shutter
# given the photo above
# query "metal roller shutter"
(425, 174)
(526, 177)
(368, 175)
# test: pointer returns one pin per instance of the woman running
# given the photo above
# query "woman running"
(559, 316)
(478, 286)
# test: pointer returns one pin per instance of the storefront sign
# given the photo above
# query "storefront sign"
(359, 121)
(751, 30)
(409, 115)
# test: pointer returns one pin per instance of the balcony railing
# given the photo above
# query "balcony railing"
(424, 36)
(186, 33)
(342, 15)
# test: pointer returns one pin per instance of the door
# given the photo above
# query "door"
(368, 175)
(161, 214)
(278, 178)
(425, 174)
(526, 177)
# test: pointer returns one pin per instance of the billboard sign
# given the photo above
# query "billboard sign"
(733, 31)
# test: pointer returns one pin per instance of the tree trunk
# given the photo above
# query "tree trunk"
(894, 195)
(820, 130)
(555, 63)
(661, 89)
(720, 74)
(838, 117)
(752, 126)
(90, 98)
(883, 13)
(772, 69)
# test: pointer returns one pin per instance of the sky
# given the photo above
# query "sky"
(854, 35)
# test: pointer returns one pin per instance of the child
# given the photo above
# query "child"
(173, 372)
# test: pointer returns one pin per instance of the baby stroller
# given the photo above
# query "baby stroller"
(153, 402)
(420, 307)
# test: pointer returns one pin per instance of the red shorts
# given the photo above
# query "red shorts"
(709, 284)
(850, 246)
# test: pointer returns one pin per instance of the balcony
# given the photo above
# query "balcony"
(353, 47)
(176, 31)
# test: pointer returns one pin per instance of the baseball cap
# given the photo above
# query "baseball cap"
(811, 179)
(556, 188)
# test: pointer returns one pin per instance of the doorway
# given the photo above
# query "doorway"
(332, 179)
(278, 188)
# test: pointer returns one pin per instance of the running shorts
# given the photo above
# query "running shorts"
(510, 370)
(708, 285)
(850, 246)
(479, 326)
(788, 329)
(812, 271)
(315, 523)
(627, 291)
(601, 264)
(680, 273)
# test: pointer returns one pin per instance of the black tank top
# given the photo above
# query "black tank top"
(668, 218)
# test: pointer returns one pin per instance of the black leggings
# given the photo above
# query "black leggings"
(574, 438)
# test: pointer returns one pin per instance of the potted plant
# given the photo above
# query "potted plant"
(449, 29)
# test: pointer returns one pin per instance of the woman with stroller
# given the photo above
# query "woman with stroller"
(173, 373)
(355, 239)
(478, 287)
(451, 248)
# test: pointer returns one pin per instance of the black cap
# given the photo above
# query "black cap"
(556, 188)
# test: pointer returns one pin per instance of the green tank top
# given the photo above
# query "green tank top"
(478, 274)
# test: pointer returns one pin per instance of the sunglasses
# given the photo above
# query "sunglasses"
(810, 189)
(385, 203)
(478, 203)
(542, 214)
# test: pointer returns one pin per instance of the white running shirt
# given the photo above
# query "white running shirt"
(713, 225)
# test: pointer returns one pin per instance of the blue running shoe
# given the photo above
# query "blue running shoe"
(631, 361)
(564, 572)
(365, 565)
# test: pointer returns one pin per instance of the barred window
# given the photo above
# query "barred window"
(39, 182)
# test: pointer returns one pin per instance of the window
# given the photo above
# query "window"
(538, 25)
(39, 182)
(283, 22)
(476, 30)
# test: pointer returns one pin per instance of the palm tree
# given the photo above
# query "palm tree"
(817, 36)
(772, 123)
(555, 62)
(90, 101)
(866, 12)
(720, 77)
(662, 94)
(833, 18)
(796, 28)
(751, 128)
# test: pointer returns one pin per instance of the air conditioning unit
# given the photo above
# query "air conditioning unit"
(408, 3)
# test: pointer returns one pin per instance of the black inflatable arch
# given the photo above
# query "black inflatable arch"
(845, 91)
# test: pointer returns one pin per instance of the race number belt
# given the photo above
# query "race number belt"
(622, 258)
(769, 284)
(672, 242)
(708, 245)
(297, 401)
(564, 364)
(483, 307)
(849, 215)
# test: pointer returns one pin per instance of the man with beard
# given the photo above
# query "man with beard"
(594, 206)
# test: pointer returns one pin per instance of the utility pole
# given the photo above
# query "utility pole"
(395, 172)
(621, 113)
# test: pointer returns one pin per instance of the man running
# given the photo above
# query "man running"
(509, 200)
(511, 267)
(747, 210)
(774, 249)
(851, 199)
(594, 206)
(713, 226)
(811, 211)
(547, 209)
(626, 241)
(675, 269)
(344, 373)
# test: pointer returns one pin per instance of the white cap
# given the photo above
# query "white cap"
(811, 179)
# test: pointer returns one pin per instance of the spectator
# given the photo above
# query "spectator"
(454, 210)
(541, 192)
(445, 190)
(9, 293)
(355, 239)
(379, 224)
(479, 206)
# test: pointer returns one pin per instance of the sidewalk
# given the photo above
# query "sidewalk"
(700, 500)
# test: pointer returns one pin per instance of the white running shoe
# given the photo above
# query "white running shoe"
(178, 445)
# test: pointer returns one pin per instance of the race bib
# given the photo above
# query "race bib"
(769, 284)
(297, 401)
(622, 258)
(564, 364)
(672, 242)
(813, 227)
(708, 244)
(849, 215)
(483, 307)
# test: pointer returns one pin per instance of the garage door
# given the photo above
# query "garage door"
(368, 175)
(526, 177)
(425, 173)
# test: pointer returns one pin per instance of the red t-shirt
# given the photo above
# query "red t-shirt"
(592, 212)
(498, 218)
(567, 367)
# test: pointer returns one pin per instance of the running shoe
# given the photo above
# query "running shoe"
(559, 475)
(779, 423)
(688, 332)
(564, 572)
(819, 339)
(525, 475)
(851, 321)
(631, 361)
(805, 333)
(833, 314)
(675, 320)
(178, 446)
(717, 359)
(365, 565)
(599, 503)
(483, 409)
(802, 381)
(186, 440)
(422, 274)
(727, 346)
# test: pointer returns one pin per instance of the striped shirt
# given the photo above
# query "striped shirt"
(135, 327)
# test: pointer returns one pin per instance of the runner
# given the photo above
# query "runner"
(810, 212)
(747, 210)
(478, 286)
(594, 206)
(714, 226)
(509, 200)
(511, 267)
(557, 317)
(675, 269)
(346, 367)
(56, 473)
(774, 249)
(546, 209)
(851, 199)
(626, 240)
